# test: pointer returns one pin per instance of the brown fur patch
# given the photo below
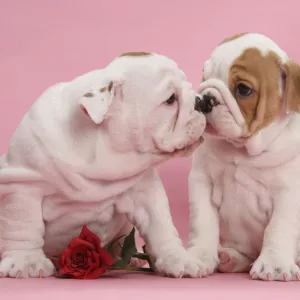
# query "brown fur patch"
(262, 75)
(103, 90)
(292, 85)
(234, 37)
(110, 86)
(89, 95)
(135, 54)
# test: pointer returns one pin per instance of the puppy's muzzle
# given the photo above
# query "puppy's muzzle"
(206, 104)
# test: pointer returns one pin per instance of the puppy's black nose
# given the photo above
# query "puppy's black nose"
(206, 104)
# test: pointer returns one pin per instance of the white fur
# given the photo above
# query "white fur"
(65, 169)
(245, 193)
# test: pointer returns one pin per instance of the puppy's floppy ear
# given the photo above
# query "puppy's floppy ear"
(96, 102)
(291, 94)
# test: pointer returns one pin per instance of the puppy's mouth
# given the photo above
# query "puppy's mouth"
(211, 131)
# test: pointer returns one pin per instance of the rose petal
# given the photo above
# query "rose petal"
(73, 267)
(79, 257)
(90, 260)
(64, 257)
(80, 243)
(96, 258)
(67, 259)
(93, 274)
(89, 236)
(72, 273)
(65, 271)
(105, 258)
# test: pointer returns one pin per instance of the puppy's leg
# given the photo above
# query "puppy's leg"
(277, 260)
(21, 240)
(232, 261)
(204, 222)
(149, 211)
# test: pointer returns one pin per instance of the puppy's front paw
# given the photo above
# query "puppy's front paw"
(178, 264)
(232, 261)
(274, 267)
(209, 259)
(26, 263)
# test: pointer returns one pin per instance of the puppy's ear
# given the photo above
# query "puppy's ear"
(291, 78)
(97, 101)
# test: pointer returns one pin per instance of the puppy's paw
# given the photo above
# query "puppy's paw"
(209, 259)
(178, 264)
(273, 267)
(232, 261)
(26, 263)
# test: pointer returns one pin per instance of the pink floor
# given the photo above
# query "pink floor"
(133, 286)
(44, 42)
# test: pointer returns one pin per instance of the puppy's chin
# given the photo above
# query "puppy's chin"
(185, 151)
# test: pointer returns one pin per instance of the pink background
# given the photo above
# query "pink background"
(44, 42)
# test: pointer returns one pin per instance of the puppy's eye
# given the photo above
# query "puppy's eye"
(171, 100)
(242, 90)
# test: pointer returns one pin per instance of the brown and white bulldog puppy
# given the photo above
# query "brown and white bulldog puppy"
(245, 179)
(86, 152)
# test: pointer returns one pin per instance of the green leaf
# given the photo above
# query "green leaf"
(109, 247)
(129, 246)
(136, 269)
(150, 259)
(151, 262)
(141, 256)
(121, 263)
(128, 250)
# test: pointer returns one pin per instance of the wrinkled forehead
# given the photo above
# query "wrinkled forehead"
(223, 57)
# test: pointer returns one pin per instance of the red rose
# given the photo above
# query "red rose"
(84, 258)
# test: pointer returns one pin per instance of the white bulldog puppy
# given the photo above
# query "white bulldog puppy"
(244, 183)
(85, 154)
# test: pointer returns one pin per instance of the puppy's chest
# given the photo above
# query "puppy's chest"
(241, 193)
